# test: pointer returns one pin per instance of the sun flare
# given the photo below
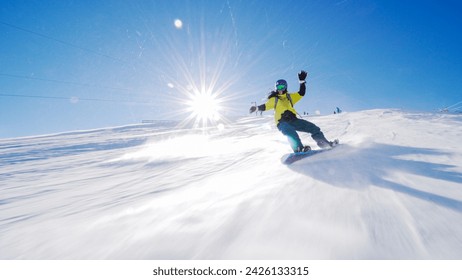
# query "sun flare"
(203, 82)
(204, 107)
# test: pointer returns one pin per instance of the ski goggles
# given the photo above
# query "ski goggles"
(281, 87)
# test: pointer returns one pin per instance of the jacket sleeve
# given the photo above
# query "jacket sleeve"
(295, 97)
(268, 105)
(302, 89)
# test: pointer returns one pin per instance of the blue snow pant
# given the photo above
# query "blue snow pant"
(290, 127)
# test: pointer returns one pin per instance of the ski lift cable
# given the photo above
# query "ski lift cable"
(129, 92)
(61, 41)
(63, 82)
(76, 98)
(449, 107)
(67, 44)
(67, 82)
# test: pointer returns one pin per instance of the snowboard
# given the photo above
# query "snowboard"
(288, 159)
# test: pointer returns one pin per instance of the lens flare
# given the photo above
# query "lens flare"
(203, 75)
(202, 88)
(178, 23)
(205, 107)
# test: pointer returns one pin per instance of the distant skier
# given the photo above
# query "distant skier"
(286, 119)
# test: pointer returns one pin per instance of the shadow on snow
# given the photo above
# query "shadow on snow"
(351, 167)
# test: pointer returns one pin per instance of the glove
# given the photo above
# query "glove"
(302, 76)
(252, 109)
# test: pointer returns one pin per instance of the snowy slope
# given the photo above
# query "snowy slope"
(392, 190)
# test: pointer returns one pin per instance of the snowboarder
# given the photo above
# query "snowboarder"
(286, 119)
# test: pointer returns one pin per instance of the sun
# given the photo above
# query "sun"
(201, 82)
(204, 107)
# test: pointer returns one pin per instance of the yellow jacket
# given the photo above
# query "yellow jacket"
(283, 104)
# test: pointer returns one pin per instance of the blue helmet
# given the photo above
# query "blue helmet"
(281, 85)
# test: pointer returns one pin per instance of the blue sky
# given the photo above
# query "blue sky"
(71, 65)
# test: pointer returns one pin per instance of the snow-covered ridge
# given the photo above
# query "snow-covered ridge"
(392, 190)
